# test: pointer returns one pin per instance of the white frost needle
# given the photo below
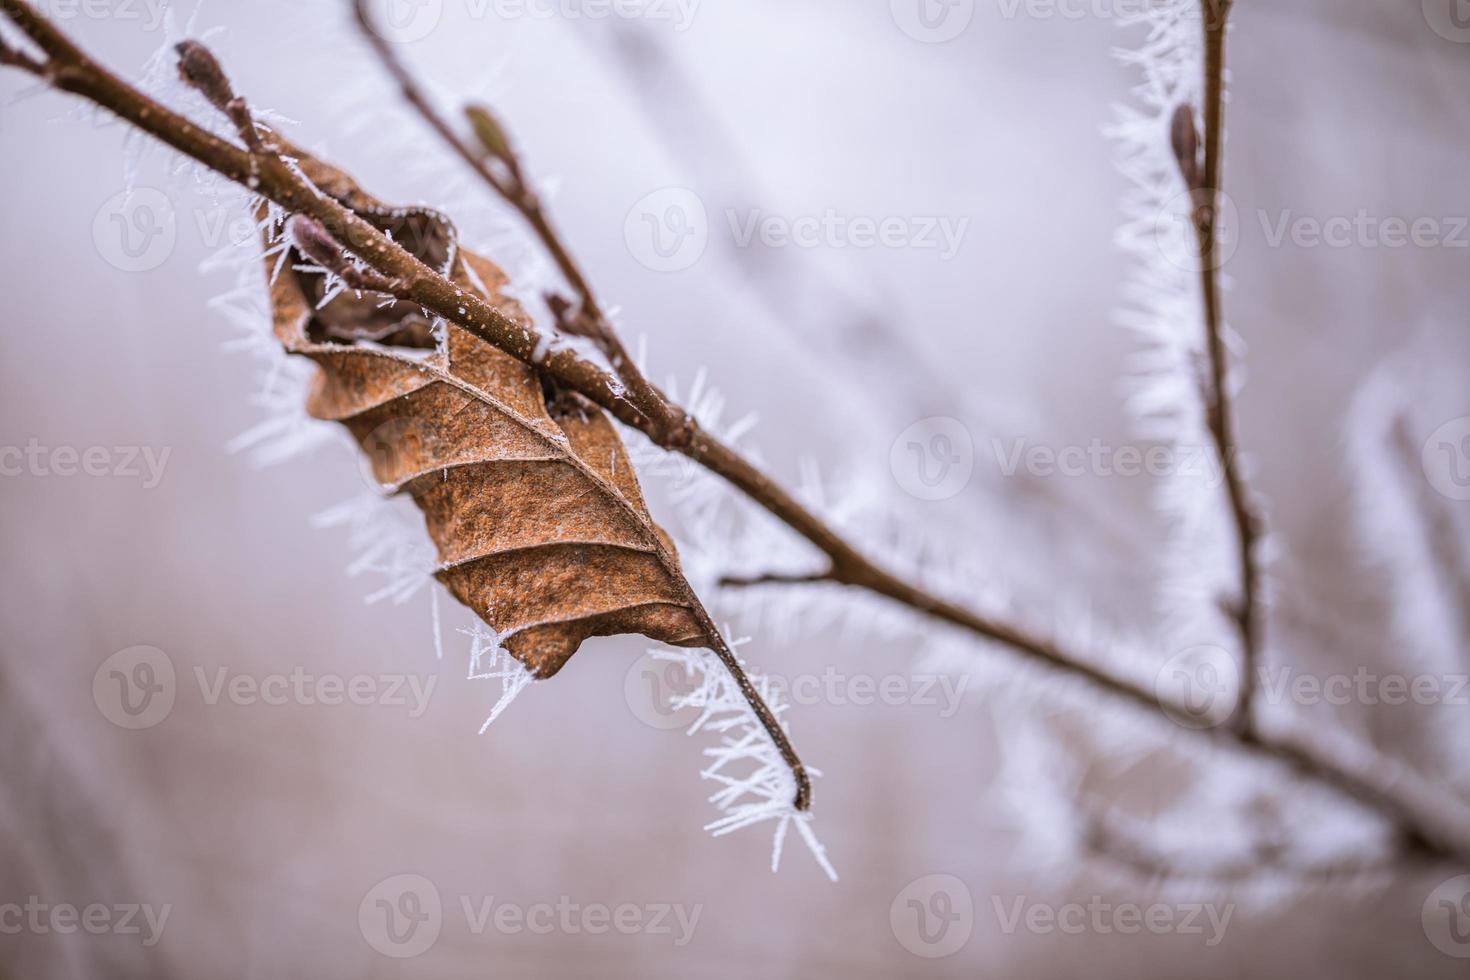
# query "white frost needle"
(756, 786)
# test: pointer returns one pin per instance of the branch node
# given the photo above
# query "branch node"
(313, 240)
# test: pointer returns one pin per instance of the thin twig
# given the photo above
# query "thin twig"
(1204, 180)
(839, 324)
(775, 578)
(16, 58)
(72, 71)
(669, 426)
(664, 422)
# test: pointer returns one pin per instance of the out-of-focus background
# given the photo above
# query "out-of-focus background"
(239, 825)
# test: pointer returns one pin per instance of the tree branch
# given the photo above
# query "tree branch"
(668, 425)
(272, 177)
(1203, 177)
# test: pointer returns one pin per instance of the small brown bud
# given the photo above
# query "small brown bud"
(200, 68)
(490, 133)
(1185, 141)
(313, 240)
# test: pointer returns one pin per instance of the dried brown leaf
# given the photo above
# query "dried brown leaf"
(527, 492)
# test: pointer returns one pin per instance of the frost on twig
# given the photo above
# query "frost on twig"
(1162, 306)
(755, 784)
